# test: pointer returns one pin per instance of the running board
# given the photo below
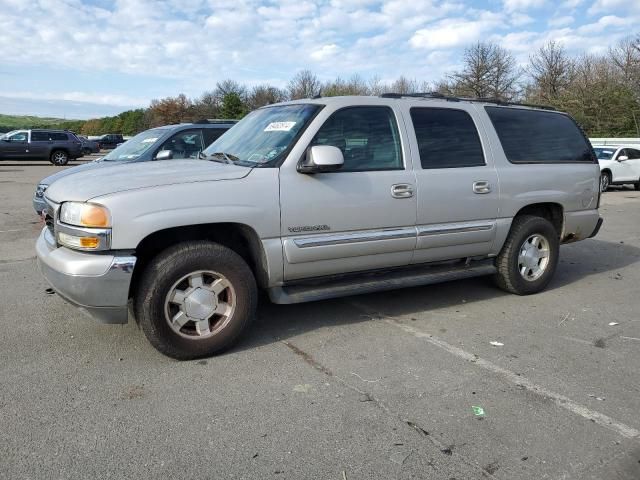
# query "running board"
(369, 282)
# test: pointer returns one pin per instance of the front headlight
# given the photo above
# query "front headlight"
(85, 215)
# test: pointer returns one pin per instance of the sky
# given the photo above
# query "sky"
(87, 58)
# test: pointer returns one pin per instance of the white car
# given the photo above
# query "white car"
(618, 165)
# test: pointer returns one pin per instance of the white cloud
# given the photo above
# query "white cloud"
(454, 32)
(604, 6)
(518, 5)
(95, 98)
(325, 52)
(562, 21)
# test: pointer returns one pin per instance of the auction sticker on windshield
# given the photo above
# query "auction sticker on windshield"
(149, 140)
(279, 126)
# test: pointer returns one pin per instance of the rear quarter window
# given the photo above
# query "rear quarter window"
(58, 136)
(534, 136)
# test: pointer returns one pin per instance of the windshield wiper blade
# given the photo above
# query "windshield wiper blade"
(227, 157)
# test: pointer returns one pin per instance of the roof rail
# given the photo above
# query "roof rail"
(437, 95)
(214, 120)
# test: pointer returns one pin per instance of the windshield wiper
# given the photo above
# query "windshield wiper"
(226, 157)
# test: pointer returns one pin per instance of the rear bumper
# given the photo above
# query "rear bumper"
(96, 283)
(580, 225)
(597, 229)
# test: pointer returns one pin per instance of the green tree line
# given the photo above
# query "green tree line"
(602, 92)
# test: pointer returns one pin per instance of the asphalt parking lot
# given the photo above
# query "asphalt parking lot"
(367, 387)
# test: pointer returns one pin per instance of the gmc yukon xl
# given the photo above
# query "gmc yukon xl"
(321, 198)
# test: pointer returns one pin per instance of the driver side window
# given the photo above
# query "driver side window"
(18, 137)
(367, 136)
(185, 144)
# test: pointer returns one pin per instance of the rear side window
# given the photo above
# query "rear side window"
(447, 138)
(534, 136)
(39, 136)
(58, 136)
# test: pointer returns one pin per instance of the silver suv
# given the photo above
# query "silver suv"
(321, 198)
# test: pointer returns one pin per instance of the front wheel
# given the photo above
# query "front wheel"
(605, 181)
(195, 299)
(529, 257)
(59, 158)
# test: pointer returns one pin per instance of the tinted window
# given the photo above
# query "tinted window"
(58, 136)
(185, 144)
(212, 134)
(446, 138)
(534, 136)
(367, 136)
(633, 153)
(39, 137)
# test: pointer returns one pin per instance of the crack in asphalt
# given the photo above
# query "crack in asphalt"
(446, 449)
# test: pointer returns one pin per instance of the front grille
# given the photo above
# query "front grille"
(49, 220)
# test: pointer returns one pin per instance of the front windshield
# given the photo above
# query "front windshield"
(604, 153)
(262, 137)
(132, 149)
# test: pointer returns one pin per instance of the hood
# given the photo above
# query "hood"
(69, 171)
(85, 184)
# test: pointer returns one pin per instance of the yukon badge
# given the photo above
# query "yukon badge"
(309, 228)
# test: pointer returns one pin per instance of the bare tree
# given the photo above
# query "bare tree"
(626, 57)
(227, 87)
(354, 86)
(304, 85)
(552, 71)
(262, 95)
(489, 71)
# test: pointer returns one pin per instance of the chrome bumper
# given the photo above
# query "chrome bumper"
(96, 283)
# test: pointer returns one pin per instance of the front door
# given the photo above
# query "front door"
(360, 217)
(457, 184)
(626, 169)
(15, 145)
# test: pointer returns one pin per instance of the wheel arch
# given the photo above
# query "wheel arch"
(239, 237)
(554, 212)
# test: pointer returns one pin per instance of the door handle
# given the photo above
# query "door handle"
(481, 186)
(402, 190)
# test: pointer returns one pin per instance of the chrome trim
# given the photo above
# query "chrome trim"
(103, 234)
(356, 237)
(426, 230)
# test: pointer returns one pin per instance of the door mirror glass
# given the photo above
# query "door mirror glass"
(622, 158)
(321, 158)
(164, 155)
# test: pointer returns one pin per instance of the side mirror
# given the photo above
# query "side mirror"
(622, 158)
(321, 158)
(164, 155)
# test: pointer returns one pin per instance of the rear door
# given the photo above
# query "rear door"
(361, 217)
(458, 189)
(39, 145)
(634, 161)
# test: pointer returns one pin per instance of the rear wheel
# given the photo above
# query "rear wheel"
(605, 181)
(637, 185)
(529, 256)
(59, 157)
(195, 299)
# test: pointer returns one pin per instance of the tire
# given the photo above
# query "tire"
(175, 271)
(510, 263)
(605, 181)
(637, 185)
(59, 158)
(86, 151)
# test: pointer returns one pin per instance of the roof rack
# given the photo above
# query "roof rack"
(214, 120)
(437, 95)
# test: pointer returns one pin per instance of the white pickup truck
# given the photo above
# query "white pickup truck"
(320, 198)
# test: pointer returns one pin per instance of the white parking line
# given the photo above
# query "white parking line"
(558, 399)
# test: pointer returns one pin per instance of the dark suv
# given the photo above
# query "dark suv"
(57, 146)
(185, 140)
(109, 141)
